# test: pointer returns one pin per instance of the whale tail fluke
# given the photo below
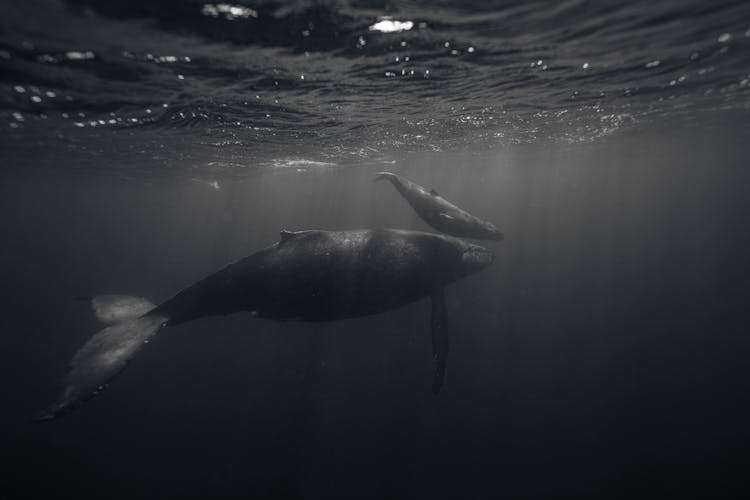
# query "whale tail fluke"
(113, 309)
(104, 356)
(379, 176)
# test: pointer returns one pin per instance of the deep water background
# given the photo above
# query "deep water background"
(143, 145)
(604, 354)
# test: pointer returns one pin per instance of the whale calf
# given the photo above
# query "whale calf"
(439, 213)
(307, 276)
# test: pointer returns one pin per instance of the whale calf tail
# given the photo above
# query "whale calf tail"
(379, 176)
(108, 352)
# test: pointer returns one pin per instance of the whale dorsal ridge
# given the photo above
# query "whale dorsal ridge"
(286, 234)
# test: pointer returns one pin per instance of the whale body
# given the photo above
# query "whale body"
(439, 213)
(306, 276)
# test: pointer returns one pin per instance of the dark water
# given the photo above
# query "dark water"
(603, 355)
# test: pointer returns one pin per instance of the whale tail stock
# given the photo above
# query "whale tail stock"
(108, 352)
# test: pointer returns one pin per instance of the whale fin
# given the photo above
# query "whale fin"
(434, 193)
(100, 359)
(112, 309)
(440, 341)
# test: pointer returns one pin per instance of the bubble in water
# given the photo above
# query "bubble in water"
(79, 56)
(653, 63)
(585, 66)
(19, 89)
(228, 11)
(386, 25)
(724, 37)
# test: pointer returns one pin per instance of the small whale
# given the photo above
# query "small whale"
(439, 213)
(306, 276)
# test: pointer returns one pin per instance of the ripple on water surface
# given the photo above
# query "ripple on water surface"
(273, 80)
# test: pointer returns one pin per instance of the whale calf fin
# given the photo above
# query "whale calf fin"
(440, 341)
(100, 359)
(113, 309)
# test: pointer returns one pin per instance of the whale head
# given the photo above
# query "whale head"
(473, 258)
(487, 231)
(464, 225)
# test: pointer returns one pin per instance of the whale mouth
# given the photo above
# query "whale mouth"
(496, 235)
(476, 258)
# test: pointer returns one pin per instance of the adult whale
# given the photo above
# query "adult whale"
(439, 212)
(307, 275)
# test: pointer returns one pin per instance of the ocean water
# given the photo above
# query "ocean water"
(143, 145)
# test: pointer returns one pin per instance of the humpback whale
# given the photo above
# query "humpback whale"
(439, 213)
(308, 276)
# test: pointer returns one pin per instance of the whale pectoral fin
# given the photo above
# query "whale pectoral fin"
(104, 355)
(440, 343)
(434, 193)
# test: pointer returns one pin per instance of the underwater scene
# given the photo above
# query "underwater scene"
(374, 249)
